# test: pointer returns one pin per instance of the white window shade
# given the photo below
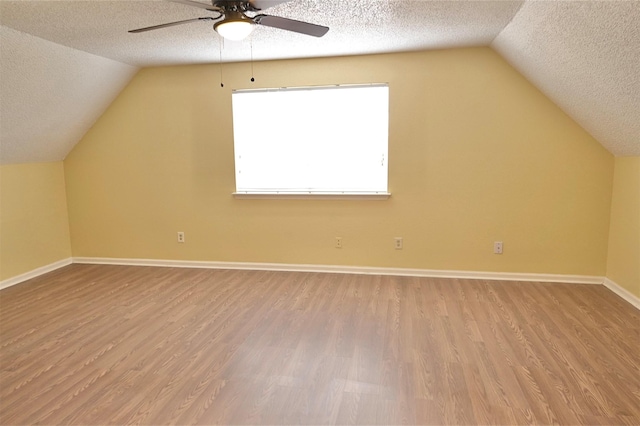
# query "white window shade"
(312, 140)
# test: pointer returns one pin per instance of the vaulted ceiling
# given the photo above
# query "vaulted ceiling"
(63, 62)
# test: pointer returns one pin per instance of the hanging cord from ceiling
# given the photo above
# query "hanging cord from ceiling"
(251, 46)
(220, 44)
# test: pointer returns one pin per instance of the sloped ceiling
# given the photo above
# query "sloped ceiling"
(63, 62)
(50, 96)
(585, 56)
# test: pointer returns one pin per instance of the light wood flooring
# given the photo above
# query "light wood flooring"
(91, 344)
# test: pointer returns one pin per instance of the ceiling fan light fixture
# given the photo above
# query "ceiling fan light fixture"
(234, 27)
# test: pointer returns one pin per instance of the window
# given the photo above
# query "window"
(316, 140)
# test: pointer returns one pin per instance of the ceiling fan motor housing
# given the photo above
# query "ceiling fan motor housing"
(229, 6)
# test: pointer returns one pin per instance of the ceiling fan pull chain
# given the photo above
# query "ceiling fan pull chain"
(251, 46)
(221, 40)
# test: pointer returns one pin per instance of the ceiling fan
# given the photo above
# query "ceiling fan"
(236, 24)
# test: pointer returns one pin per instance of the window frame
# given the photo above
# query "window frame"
(304, 194)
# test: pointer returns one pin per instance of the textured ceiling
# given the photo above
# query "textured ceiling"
(585, 56)
(50, 96)
(64, 61)
(357, 27)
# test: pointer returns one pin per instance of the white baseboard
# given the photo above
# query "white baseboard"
(432, 273)
(35, 273)
(622, 292)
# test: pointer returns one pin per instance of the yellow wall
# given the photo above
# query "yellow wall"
(34, 226)
(623, 266)
(477, 154)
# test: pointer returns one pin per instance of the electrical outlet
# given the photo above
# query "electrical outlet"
(338, 242)
(181, 237)
(397, 243)
(497, 247)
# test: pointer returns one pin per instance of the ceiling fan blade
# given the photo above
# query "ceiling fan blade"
(265, 4)
(171, 24)
(198, 4)
(291, 25)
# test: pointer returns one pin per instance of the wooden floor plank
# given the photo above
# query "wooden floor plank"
(98, 344)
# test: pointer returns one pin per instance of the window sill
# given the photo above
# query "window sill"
(312, 195)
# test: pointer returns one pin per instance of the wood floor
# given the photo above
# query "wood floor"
(94, 344)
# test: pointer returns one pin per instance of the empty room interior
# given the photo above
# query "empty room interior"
(193, 231)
